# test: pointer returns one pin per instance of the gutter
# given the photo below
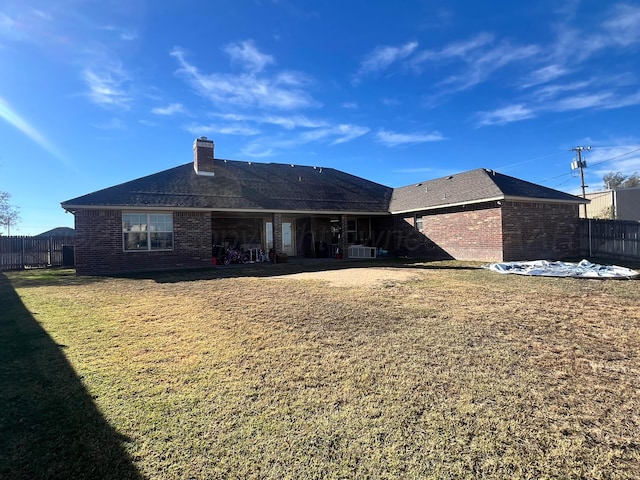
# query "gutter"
(578, 201)
(73, 208)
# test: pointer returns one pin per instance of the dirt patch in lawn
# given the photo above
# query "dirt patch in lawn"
(358, 277)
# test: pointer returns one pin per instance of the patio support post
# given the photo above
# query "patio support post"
(277, 234)
(342, 243)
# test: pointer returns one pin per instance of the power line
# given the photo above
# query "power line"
(616, 157)
(505, 167)
(593, 164)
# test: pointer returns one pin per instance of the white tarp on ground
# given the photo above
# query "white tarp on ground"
(584, 269)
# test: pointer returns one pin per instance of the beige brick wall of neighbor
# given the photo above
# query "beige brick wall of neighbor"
(99, 250)
(467, 234)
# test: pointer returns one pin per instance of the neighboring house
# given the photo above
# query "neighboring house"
(58, 232)
(619, 204)
(177, 218)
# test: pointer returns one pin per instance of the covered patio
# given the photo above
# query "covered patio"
(301, 235)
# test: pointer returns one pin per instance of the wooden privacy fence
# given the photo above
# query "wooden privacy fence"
(17, 253)
(610, 238)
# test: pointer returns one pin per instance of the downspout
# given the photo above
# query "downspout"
(614, 203)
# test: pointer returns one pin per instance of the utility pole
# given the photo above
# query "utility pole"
(581, 164)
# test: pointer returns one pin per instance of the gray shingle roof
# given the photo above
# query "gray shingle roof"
(255, 187)
(473, 186)
(58, 232)
(246, 186)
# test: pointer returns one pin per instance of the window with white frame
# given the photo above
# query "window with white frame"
(418, 222)
(147, 231)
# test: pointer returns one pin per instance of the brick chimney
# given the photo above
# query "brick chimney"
(203, 162)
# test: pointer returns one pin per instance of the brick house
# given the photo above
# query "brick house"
(181, 217)
(485, 215)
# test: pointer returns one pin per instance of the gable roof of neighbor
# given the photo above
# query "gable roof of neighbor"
(474, 186)
(58, 232)
(245, 186)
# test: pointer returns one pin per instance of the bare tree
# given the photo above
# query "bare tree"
(616, 180)
(632, 180)
(9, 215)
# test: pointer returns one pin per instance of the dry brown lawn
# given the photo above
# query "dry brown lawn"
(431, 370)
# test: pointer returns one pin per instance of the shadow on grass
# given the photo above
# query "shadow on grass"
(296, 266)
(49, 424)
(46, 277)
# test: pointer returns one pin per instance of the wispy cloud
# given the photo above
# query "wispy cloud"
(462, 65)
(544, 75)
(73, 35)
(383, 57)
(225, 129)
(346, 133)
(14, 119)
(501, 116)
(542, 89)
(256, 150)
(125, 34)
(330, 134)
(550, 92)
(282, 91)
(29, 25)
(619, 29)
(550, 100)
(334, 135)
(579, 102)
(599, 100)
(7, 25)
(248, 56)
(288, 122)
(392, 139)
(296, 130)
(453, 50)
(481, 66)
(112, 124)
(624, 101)
(107, 85)
(170, 109)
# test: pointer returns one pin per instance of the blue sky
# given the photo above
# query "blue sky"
(96, 93)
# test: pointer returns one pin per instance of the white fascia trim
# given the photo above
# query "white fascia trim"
(492, 199)
(139, 208)
(446, 205)
(579, 201)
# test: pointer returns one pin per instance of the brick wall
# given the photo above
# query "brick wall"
(540, 230)
(99, 251)
(467, 233)
(404, 240)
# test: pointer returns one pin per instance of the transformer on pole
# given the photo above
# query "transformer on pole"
(581, 164)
